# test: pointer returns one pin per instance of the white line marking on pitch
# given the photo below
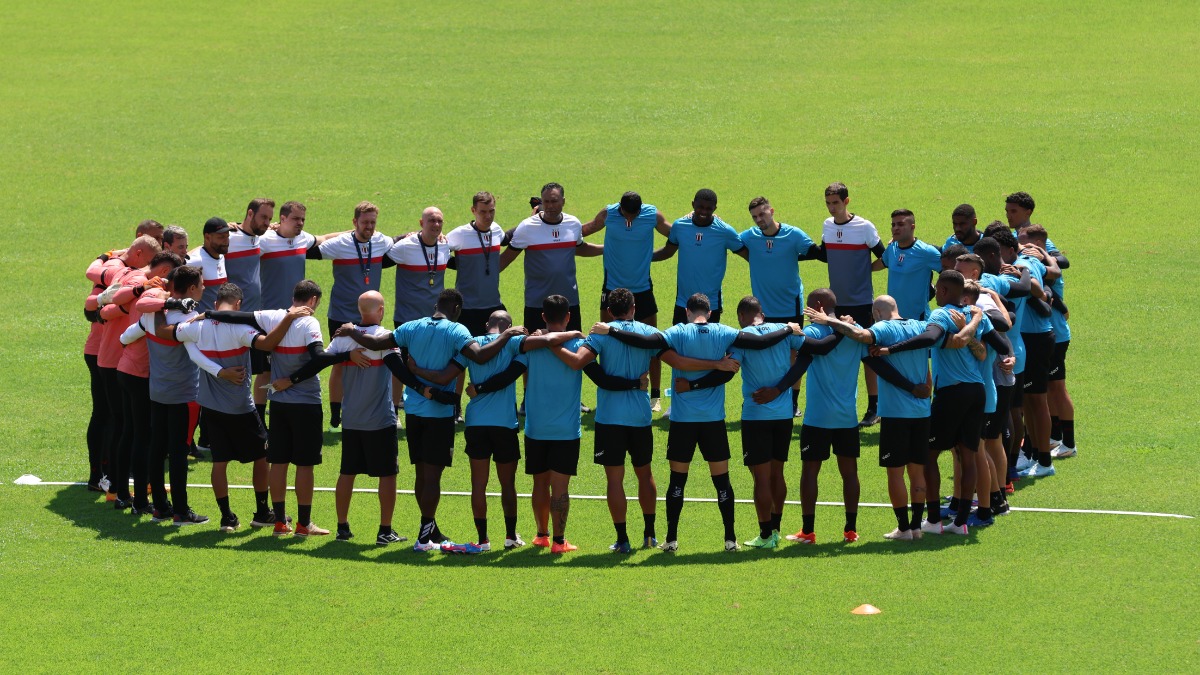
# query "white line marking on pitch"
(29, 480)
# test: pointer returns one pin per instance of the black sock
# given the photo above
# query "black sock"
(851, 521)
(983, 512)
(426, 530)
(918, 510)
(725, 503)
(776, 521)
(1068, 433)
(655, 393)
(952, 507)
(345, 527)
(260, 501)
(335, 413)
(437, 535)
(261, 409)
(934, 509)
(223, 504)
(1055, 428)
(964, 511)
(809, 522)
(481, 529)
(764, 529)
(675, 503)
(278, 510)
(997, 498)
(397, 409)
(872, 403)
(543, 534)
(510, 527)
(902, 522)
(304, 514)
(648, 526)
(622, 536)
(795, 400)
(1044, 458)
(560, 540)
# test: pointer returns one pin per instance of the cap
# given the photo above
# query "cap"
(216, 225)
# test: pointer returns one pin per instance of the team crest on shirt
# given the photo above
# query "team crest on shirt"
(554, 233)
(770, 245)
(900, 260)
(628, 224)
(699, 238)
(839, 234)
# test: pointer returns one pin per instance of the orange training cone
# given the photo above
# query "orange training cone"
(866, 609)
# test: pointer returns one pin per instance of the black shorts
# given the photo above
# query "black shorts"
(644, 304)
(533, 319)
(1018, 388)
(861, 313)
(765, 440)
(500, 444)
(430, 439)
(816, 442)
(995, 423)
(1058, 362)
(612, 441)
(296, 434)
(711, 437)
(1039, 351)
(557, 456)
(956, 417)
(235, 438)
(260, 362)
(903, 441)
(475, 320)
(680, 316)
(375, 453)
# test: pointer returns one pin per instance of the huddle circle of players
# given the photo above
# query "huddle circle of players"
(205, 338)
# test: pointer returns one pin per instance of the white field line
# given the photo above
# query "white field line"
(686, 499)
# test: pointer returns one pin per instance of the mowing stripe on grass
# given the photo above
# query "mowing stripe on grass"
(661, 499)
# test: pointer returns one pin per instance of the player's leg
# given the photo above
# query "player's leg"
(714, 447)
(335, 396)
(984, 478)
(779, 493)
(481, 470)
(918, 454)
(815, 444)
(157, 460)
(756, 457)
(97, 424)
(848, 468)
(648, 501)
(343, 492)
(618, 504)
(506, 474)
(1060, 400)
(966, 457)
(179, 420)
(560, 505)
(893, 457)
(682, 438)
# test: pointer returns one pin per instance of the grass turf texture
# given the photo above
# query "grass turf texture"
(126, 111)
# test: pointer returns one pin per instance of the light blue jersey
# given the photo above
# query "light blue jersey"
(1002, 285)
(699, 341)
(702, 258)
(629, 408)
(497, 408)
(764, 368)
(909, 272)
(1033, 323)
(987, 368)
(912, 364)
(552, 399)
(628, 246)
(953, 366)
(431, 342)
(831, 392)
(774, 269)
(1062, 330)
(953, 239)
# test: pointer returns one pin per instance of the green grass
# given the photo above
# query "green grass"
(121, 111)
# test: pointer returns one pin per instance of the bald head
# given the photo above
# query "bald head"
(142, 250)
(431, 224)
(884, 308)
(499, 321)
(370, 306)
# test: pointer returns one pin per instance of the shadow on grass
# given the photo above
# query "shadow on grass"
(83, 510)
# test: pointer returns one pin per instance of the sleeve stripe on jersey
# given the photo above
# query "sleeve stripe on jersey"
(216, 282)
(561, 244)
(354, 261)
(242, 254)
(280, 254)
(219, 354)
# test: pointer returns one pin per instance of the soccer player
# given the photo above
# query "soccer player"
(904, 423)
(965, 224)
(1018, 209)
(553, 239)
(174, 384)
(849, 240)
(1062, 408)
(175, 240)
(910, 263)
(950, 256)
(210, 258)
(431, 343)
(476, 247)
(628, 253)
(1038, 336)
(242, 265)
(702, 239)
(357, 258)
(767, 426)
(699, 418)
(235, 430)
(830, 415)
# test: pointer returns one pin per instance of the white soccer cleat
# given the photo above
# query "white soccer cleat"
(1063, 451)
(655, 405)
(931, 528)
(897, 535)
(1025, 461)
(1054, 443)
(955, 529)
(667, 413)
(104, 484)
(731, 545)
(669, 546)
(514, 543)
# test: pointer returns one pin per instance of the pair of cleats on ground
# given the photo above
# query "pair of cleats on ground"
(849, 537)
(626, 547)
(470, 548)
(1028, 467)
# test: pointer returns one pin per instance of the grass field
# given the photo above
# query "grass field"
(119, 111)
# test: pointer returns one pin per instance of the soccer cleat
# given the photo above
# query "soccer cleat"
(541, 542)
(461, 549)
(110, 496)
(121, 504)
(955, 529)
(849, 536)
(975, 521)
(731, 546)
(931, 528)
(565, 547)
(346, 535)
(1009, 489)
(897, 535)
(510, 544)
(281, 529)
(266, 519)
(426, 547)
(802, 538)
(669, 546)
(1024, 462)
(667, 413)
(649, 542)
(189, 517)
(797, 412)
(484, 547)
(389, 537)
(310, 530)
(655, 405)
(621, 547)
(1054, 443)
(95, 487)
(230, 523)
(139, 511)
(869, 419)
(916, 534)
(583, 409)
(759, 542)
(1039, 471)
(1001, 509)
(162, 515)
(104, 484)
(1062, 452)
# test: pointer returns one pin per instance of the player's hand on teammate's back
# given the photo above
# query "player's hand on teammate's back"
(816, 316)
(297, 312)
(514, 331)
(682, 385)
(471, 393)
(644, 381)
(794, 327)
(233, 374)
(344, 330)
(765, 395)
(729, 364)
(359, 358)
(281, 384)
(958, 319)
(599, 328)
(922, 390)
(876, 350)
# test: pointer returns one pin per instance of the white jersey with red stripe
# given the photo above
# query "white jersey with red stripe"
(281, 266)
(291, 354)
(848, 252)
(477, 255)
(549, 257)
(420, 276)
(214, 276)
(357, 268)
(228, 345)
(366, 392)
(241, 263)
(173, 377)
